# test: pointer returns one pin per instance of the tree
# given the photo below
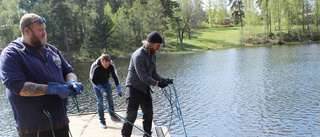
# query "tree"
(102, 33)
(61, 15)
(197, 17)
(9, 21)
(123, 29)
(211, 12)
(82, 4)
(237, 11)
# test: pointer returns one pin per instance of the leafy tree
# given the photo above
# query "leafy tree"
(82, 4)
(61, 16)
(123, 29)
(102, 33)
(9, 21)
(237, 10)
(137, 20)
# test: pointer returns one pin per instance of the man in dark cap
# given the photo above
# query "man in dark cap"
(142, 73)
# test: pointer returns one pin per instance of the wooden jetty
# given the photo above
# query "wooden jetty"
(88, 125)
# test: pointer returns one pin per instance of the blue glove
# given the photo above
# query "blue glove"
(76, 86)
(103, 90)
(119, 90)
(57, 89)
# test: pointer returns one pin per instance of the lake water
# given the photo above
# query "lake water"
(260, 91)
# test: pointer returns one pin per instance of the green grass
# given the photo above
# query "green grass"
(218, 37)
(212, 38)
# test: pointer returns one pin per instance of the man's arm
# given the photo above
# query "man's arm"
(31, 89)
(71, 76)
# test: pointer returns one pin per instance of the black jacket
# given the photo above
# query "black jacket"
(100, 75)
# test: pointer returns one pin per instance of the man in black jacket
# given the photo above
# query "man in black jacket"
(99, 76)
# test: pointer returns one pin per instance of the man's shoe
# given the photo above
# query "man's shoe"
(104, 126)
(115, 118)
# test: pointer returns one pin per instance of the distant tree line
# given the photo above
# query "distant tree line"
(270, 19)
(96, 26)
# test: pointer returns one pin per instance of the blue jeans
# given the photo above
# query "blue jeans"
(100, 97)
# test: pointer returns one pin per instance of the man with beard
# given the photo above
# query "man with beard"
(38, 81)
(142, 73)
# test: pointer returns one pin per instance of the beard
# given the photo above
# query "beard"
(152, 50)
(36, 41)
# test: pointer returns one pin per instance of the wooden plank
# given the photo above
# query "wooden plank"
(88, 125)
(162, 132)
(159, 132)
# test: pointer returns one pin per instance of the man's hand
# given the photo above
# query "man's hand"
(168, 80)
(162, 84)
(57, 89)
(103, 90)
(119, 90)
(76, 86)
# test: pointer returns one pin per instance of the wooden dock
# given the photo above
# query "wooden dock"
(88, 125)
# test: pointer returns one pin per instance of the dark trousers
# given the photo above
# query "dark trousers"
(133, 100)
(63, 132)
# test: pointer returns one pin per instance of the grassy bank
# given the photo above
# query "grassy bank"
(218, 37)
(212, 38)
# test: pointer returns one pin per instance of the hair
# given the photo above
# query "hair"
(147, 44)
(105, 56)
(26, 20)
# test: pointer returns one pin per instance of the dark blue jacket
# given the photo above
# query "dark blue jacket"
(18, 65)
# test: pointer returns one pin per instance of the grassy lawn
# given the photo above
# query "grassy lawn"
(212, 38)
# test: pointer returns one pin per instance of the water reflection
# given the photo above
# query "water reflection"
(262, 91)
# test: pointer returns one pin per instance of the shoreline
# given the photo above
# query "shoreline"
(188, 50)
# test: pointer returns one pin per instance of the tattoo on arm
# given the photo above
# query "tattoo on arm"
(33, 89)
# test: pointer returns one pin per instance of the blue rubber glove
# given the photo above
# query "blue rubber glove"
(57, 89)
(103, 90)
(119, 90)
(76, 86)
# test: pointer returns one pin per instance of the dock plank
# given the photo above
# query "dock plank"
(88, 125)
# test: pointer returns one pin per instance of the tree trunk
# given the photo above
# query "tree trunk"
(309, 20)
(240, 16)
(280, 21)
(67, 43)
(2, 43)
(123, 41)
(164, 42)
(302, 15)
(84, 23)
(289, 24)
(298, 30)
(181, 39)
(317, 16)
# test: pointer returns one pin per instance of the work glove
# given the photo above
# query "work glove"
(119, 90)
(162, 84)
(58, 89)
(168, 80)
(75, 86)
(103, 90)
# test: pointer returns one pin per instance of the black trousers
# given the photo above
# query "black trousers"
(134, 98)
(63, 132)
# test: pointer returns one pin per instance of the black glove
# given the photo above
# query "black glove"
(168, 80)
(162, 84)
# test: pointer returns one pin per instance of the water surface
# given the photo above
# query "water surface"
(261, 91)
